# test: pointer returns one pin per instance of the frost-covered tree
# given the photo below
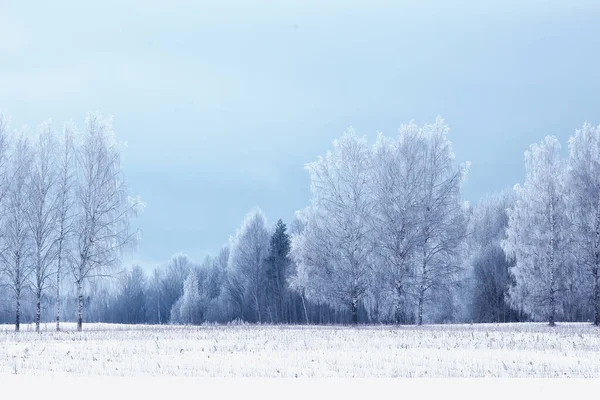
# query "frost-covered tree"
(104, 208)
(64, 208)
(41, 215)
(277, 270)
(334, 250)
(246, 270)
(583, 195)
(16, 255)
(132, 299)
(171, 284)
(490, 277)
(215, 287)
(537, 233)
(189, 311)
(441, 213)
(397, 182)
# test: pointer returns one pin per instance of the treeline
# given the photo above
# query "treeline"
(64, 215)
(387, 238)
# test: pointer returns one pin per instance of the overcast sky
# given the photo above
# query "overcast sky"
(222, 102)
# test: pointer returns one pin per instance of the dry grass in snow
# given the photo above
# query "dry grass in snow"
(509, 350)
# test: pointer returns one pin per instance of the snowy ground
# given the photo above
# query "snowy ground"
(511, 350)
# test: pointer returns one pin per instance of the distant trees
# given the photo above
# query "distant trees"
(490, 278)
(132, 298)
(385, 238)
(248, 252)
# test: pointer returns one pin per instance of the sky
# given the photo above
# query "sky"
(221, 103)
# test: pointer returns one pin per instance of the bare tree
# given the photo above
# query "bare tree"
(101, 227)
(64, 208)
(15, 256)
(41, 215)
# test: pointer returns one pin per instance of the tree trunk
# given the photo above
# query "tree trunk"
(158, 308)
(421, 301)
(257, 308)
(597, 296)
(304, 306)
(354, 310)
(58, 269)
(38, 310)
(398, 310)
(79, 306)
(552, 318)
(18, 311)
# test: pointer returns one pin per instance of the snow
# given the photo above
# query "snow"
(442, 351)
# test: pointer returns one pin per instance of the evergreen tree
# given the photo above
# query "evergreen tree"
(277, 269)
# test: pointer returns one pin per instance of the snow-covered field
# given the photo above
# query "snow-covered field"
(510, 350)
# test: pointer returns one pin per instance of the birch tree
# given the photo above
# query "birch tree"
(104, 208)
(583, 195)
(397, 176)
(335, 248)
(41, 215)
(536, 233)
(441, 215)
(249, 250)
(16, 252)
(64, 208)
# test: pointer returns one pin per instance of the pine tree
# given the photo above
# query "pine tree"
(277, 269)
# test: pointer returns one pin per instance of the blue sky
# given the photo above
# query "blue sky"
(222, 102)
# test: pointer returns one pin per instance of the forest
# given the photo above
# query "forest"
(386, 238)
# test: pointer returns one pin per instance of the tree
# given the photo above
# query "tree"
(583, 199)
(190, 301)
(132, 299)
(64, 208)
(16, 254)
(536, 233)
(277, 269)
(441, 216)
(215, 287)
(101, 227)
(41, 214)
(249, 249)
(397, 180)
(171, 286)
(334, 250)
(490, 268)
